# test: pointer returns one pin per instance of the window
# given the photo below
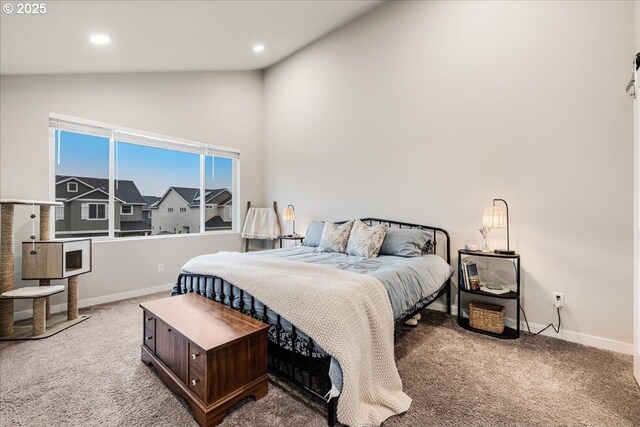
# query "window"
(219, 181)
(137, 171)
(59, 213)
(81, 177)
(94, 211)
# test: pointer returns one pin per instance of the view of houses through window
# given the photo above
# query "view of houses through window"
(157, 189)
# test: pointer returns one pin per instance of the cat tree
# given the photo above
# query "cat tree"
(42, 260)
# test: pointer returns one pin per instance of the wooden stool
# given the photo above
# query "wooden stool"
(39, 295)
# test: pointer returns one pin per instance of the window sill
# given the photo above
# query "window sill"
(171, 236)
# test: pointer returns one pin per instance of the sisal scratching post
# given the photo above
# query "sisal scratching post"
(45, 235)
(72, 298)
(45, 222)
(6, 268)
(39, 322)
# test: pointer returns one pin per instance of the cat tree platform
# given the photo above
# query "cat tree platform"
(43, 261)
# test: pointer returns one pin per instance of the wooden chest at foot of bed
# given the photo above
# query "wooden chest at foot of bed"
(211, 355)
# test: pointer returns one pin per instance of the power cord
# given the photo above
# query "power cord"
(550, 325)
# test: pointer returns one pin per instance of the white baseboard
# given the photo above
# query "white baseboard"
(576, 337)
(58, 308)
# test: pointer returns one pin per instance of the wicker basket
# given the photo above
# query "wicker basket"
(486, 317)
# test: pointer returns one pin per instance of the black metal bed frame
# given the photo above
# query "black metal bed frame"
(302, 366)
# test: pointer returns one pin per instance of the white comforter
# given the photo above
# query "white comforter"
(351, 319)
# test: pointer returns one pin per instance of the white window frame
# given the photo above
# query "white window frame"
(135, 136)
(69, 190)
(60, 213)
(126, 206)
(183, 209)
(169, 210)
(87, 216)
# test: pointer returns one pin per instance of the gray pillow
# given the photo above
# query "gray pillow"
(335, 237)
(407, 242)
(366, 240)
(314, 234)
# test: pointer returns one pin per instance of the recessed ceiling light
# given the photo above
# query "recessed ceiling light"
(100, 39)
(258, 48)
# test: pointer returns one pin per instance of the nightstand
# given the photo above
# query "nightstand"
(512, 296)
(295, 237)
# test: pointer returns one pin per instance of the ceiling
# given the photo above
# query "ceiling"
(165, 35)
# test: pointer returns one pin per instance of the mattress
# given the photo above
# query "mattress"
(407, 280)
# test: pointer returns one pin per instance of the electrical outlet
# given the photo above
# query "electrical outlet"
(160, 267)
(558, 299)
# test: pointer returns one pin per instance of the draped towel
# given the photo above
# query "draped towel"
(261, 223)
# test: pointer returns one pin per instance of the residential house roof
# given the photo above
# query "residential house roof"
(135, 226)
(216, 222)
(150, 200)
(126, 190)
(192, 195)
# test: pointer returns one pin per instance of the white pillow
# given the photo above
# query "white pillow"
(335, 237)
(366, 240)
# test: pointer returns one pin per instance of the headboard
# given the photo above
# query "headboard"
(443, 250)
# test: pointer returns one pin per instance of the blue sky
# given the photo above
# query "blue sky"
(152, 169)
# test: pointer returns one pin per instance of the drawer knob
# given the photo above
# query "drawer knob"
(168, 329)
(148, 338)
(195, 355)
(194, 382)
(149, 319)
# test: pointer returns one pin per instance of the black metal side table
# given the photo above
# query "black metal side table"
(508, 333)
(294, 237)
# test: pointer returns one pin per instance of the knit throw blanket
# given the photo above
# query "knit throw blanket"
(348, 314)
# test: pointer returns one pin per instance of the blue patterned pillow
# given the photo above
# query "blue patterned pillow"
(335, 237)
(366, 240)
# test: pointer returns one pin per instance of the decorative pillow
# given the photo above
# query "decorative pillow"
(366, 240)
(407, 242)
(335, 237)
(314, 234)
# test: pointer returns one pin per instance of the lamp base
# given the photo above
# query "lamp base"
(504, 252)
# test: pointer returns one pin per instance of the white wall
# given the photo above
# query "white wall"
(425, 111)
(219, 108)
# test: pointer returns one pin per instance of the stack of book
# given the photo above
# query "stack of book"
(469, 279)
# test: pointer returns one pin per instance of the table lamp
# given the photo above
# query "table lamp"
(290, 215)
(498, 217)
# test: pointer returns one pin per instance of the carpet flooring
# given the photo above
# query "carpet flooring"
(91, 375)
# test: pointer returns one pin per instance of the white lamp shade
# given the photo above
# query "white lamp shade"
(289, 214)
(494, 217)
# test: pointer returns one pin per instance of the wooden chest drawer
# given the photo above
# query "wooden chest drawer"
(149, 340)
(197, 358)
(197, 384)
(149, 322)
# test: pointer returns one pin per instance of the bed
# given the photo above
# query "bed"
(411, 284)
